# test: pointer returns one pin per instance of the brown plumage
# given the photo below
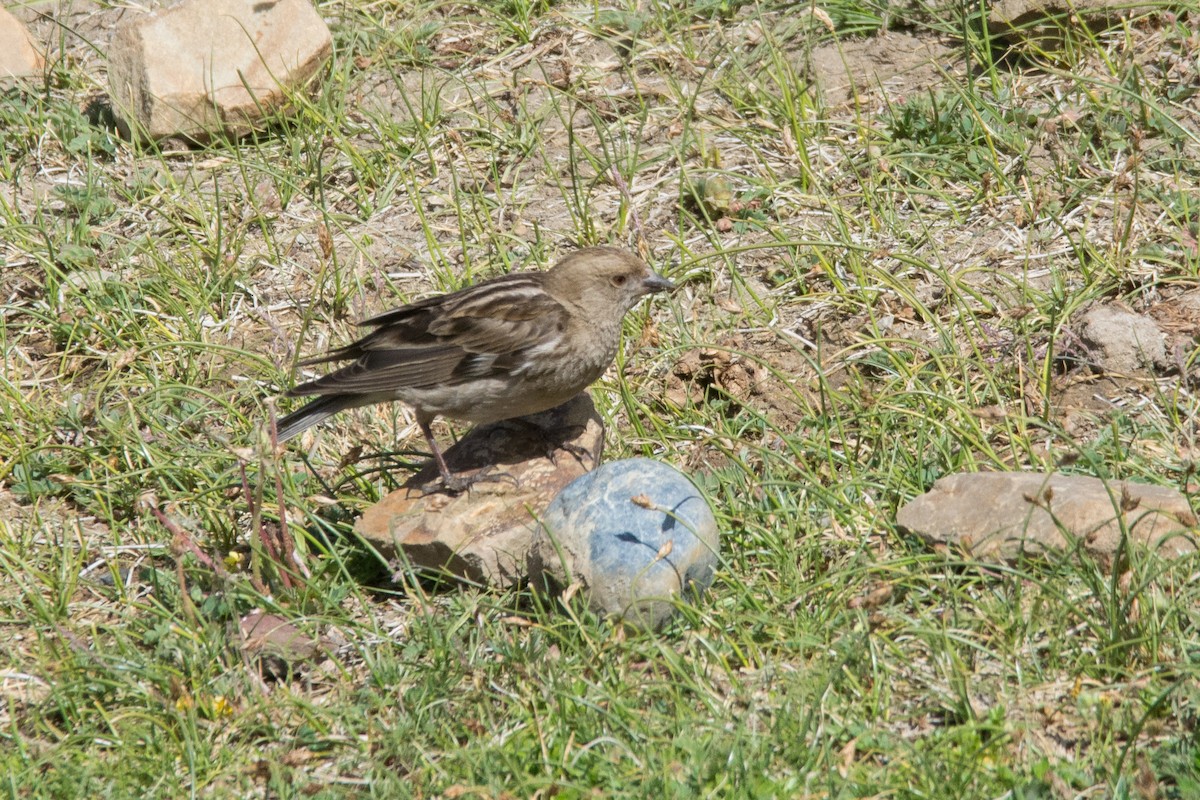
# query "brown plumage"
(503, 348)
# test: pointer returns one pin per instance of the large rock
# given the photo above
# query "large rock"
(205, 66)
(1001, 515)
(636, 536)
(20, 54)
(485, 533)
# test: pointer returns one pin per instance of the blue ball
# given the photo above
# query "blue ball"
(636, 534)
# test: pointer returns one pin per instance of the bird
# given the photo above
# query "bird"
(503, 348)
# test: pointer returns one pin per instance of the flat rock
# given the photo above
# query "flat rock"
(20, 54)
(485, 533)
(636, 536)
(270, 636)
(1019, 12)
(1041, 21)
(997, 516)
(205, 66)
(1120, 341)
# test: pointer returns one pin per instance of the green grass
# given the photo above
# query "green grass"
(886, 272)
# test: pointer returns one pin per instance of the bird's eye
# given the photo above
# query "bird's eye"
(619, 280)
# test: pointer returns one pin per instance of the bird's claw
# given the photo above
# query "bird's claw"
(577, 450)
(457, 484)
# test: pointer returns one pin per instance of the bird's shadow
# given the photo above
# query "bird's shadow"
(561, 432)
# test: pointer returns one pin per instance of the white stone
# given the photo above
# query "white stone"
(219, 65)
(1120, 341)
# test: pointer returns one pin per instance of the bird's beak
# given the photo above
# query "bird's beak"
(656, 283)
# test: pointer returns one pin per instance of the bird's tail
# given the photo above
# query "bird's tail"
(317, 411)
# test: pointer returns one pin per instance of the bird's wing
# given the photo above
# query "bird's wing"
(479, 331)
(383, 371)
(512, 319)
(499, 317)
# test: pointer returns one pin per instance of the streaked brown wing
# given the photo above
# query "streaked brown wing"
(385, 371)
(470, 300)
(446, 340)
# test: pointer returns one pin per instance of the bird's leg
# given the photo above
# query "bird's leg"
(455, 484)
(451, 483)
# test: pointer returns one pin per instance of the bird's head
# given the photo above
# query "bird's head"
(602, 278)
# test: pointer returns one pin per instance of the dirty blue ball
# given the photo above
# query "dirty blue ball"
(636, 534)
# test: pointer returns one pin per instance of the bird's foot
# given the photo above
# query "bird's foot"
(457, 484)
(577, 450)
